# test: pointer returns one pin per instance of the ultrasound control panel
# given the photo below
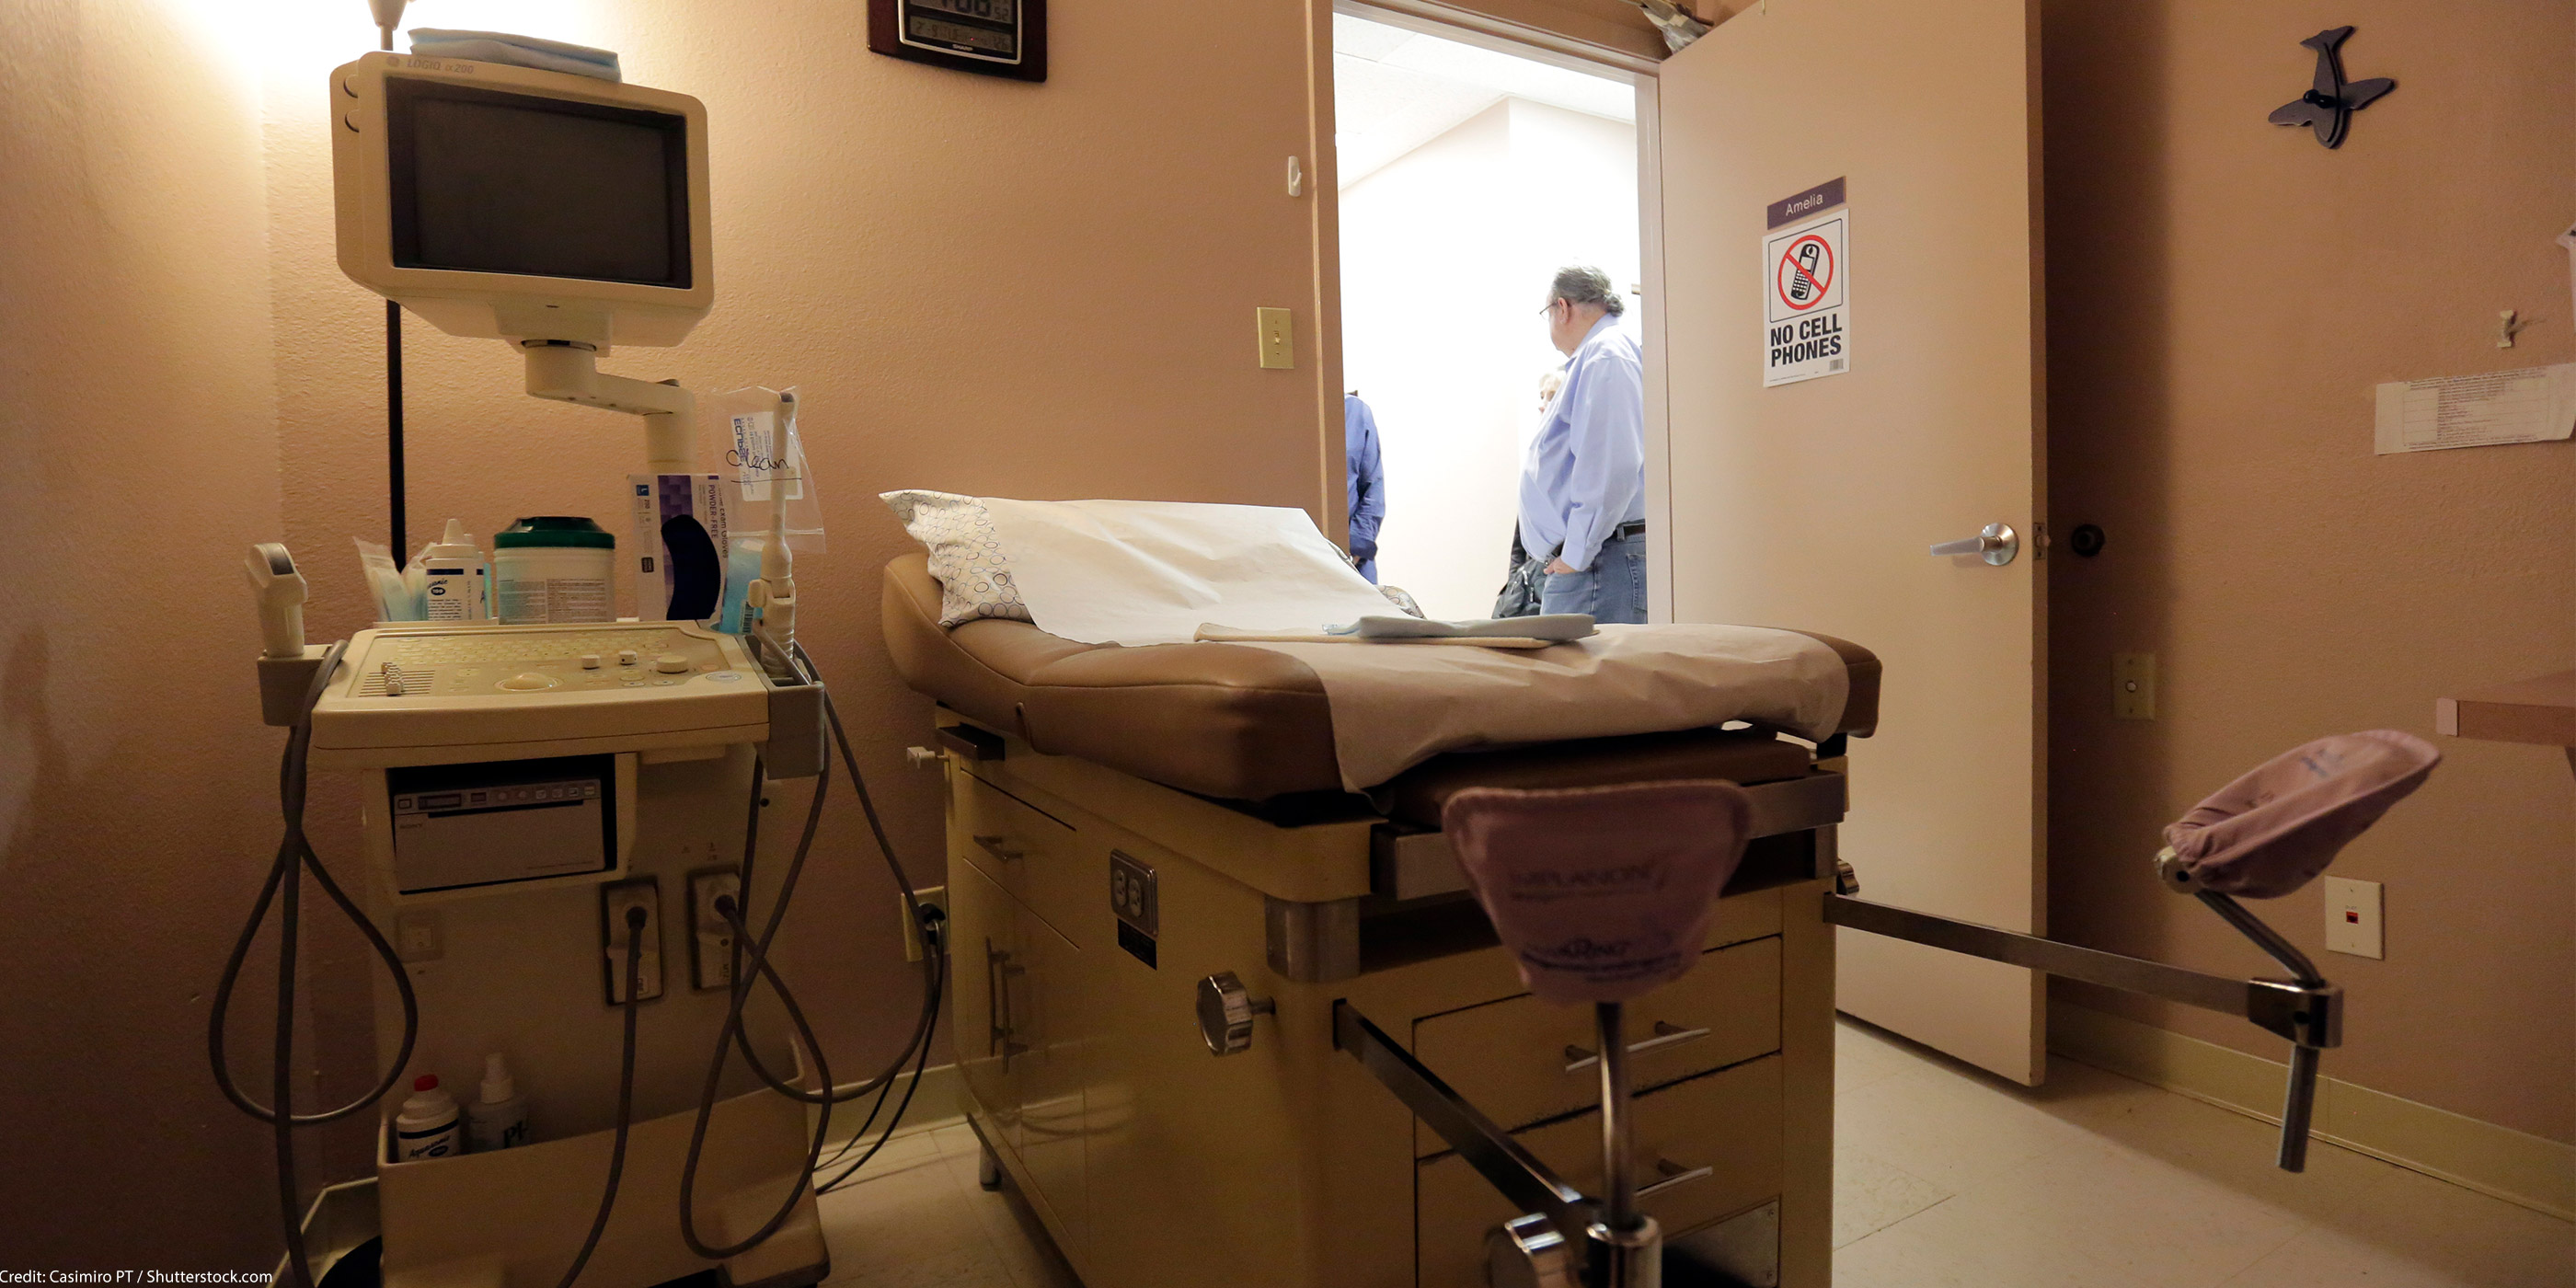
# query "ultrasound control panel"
(439, 689)
(535, 661)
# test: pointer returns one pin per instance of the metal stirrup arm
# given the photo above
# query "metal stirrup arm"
(1505, 1163)
(2305, 1009)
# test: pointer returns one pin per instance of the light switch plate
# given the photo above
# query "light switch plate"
(2133, 686)
(1278, 339)
(2352, 918)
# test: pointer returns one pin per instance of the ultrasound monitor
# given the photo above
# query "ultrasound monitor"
(507, 202)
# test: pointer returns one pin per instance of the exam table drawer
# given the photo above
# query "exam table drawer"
(1032, 854)
(1728, 1121)
(1509, 1058)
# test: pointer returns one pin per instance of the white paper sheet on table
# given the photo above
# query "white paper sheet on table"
(1150, 572)
(1397, 707)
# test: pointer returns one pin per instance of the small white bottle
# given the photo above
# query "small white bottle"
(498, 1118)
(428, 1126)
(458, 580)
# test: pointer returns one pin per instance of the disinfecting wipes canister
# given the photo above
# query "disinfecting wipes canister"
(554, 568)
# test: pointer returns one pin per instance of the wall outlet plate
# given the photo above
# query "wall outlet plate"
(710, 935)
(614, 899)
(929, 897)
(2133, 686)
(418, 936)
(2352, 918)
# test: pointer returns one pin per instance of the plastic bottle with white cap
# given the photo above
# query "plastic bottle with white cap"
(427, 1127)
(498, 1118)
(458, 580)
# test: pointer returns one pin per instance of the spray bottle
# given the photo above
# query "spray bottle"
(498, 1118)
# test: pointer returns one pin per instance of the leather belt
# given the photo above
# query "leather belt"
(1632, 528)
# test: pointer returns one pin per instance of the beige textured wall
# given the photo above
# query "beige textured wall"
(137, 789)
(2223, 295)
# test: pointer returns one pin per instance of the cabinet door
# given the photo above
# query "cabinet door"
(1046, 1021)
(983, 961)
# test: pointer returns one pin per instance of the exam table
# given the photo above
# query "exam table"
(1153, 860)
(1126, 823)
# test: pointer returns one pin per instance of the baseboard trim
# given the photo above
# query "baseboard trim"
(941, 1102)
(2517, 1167)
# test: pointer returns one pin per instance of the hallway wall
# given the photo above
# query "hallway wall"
(1446, 257)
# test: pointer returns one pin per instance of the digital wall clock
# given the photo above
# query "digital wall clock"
(993, 37)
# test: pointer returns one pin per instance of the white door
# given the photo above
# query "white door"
(1812, 503)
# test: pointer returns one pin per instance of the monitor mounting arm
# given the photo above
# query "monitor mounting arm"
(568, 371)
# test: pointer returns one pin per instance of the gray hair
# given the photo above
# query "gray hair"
(1584, 284)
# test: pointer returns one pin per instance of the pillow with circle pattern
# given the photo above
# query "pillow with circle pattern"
(966, 555)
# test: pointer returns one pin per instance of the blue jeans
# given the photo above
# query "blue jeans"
(1613, 589)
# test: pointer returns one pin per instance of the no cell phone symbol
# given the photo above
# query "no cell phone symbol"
(1806, 269)
(1803, 285)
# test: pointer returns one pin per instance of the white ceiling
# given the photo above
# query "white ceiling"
(1395, 90)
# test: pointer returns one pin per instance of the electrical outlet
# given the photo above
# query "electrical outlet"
(930, 897)
(2352, 918)
(710, 935)
(2133, 686)
(615, 899)
(418, 937)
(1278, 339)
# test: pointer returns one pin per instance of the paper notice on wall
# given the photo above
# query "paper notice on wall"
(2532, 405)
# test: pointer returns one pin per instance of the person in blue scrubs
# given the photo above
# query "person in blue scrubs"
(1583, 486)
(1365, 494)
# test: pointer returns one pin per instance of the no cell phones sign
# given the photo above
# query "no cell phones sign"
(1806, 283)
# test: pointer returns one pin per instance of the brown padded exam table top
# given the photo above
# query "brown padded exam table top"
(1240, 722)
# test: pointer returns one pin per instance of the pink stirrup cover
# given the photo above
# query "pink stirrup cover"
(2273, 830)
(1600, 893)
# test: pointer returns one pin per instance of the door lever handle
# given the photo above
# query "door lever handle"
(1996, 545)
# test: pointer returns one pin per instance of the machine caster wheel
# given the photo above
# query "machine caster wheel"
(988, 1169)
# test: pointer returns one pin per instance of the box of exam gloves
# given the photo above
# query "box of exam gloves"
(682, 546)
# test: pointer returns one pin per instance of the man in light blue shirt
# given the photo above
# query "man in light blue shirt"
(1365, 493)
(1583, 487)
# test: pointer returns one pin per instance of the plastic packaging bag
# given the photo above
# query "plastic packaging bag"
(756, 434)
(401, 594)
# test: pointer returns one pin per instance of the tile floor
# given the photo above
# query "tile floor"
(1944, 1178)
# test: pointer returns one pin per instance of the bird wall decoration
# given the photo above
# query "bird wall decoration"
(2328, 105)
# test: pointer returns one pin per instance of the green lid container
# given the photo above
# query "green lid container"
(544, 530)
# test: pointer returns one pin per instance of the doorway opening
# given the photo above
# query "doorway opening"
(1468, 176)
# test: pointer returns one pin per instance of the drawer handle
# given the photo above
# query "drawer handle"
(1003, 1040)
(1667, 1034)
(993, 846)
(1674, 1174)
